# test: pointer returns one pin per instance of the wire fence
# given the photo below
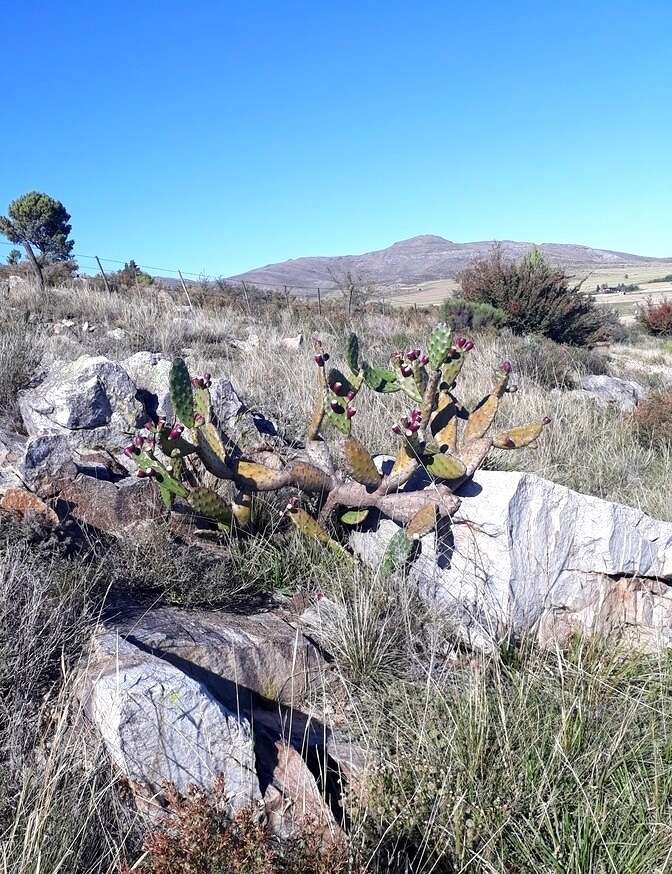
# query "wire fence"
(177, 273)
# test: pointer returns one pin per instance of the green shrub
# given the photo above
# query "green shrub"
(537, 299)
(468, 315)
(19, 358)
(553, 365)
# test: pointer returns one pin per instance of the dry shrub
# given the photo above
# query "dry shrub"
(653, 420)
(656, 318)
(197, 836)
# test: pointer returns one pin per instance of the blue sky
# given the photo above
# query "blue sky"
(220, 136)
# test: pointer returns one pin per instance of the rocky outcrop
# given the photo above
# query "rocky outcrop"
(525, 556)
(91, 401)
(160, 725)
(192, 696)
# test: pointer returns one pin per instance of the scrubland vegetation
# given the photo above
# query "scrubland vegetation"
(512, 762)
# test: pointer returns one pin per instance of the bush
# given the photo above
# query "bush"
(656, 318)
(197, 837)
(653, 420)
(554, 366)
(537, 299)
(468, 315)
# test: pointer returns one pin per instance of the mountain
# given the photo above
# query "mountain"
(423, 259)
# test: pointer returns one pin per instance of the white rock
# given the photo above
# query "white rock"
(525, 555)
(610, 390)
(292, 343)
(160, 725)
(118, 334)
(150, 371)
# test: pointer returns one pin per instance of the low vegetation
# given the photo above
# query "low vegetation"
(537, 298)
(656, 317)
(515, 762)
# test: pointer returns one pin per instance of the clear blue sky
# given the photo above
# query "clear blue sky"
(218, 136)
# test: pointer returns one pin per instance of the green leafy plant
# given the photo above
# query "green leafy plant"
(440, 442)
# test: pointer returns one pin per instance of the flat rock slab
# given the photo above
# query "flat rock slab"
(260, 653)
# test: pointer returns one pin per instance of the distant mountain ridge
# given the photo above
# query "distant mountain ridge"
(423, 259)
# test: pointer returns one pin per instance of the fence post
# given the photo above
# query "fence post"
(319, 302)
(100, 266)
(184, 288)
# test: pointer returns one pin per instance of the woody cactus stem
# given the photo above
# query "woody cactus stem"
(441, 444)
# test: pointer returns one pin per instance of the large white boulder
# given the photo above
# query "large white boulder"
(160, 725)
(527, 556)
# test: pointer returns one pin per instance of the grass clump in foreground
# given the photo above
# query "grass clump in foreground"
(547, 763)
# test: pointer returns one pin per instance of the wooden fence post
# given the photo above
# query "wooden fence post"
(184, 288)
(100, 267)
(319, 302)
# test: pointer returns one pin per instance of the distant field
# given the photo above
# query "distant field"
(436, 292)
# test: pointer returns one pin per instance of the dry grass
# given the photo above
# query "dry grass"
(518, 764)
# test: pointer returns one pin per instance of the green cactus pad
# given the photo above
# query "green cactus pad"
(211, 451)
(182, 393)
(339, 420)
(210, 505)
(451, 370)
(335, 375)
(202, 403)
(439, 345)
(359, 464)
(354, 517)
(443, 466)
(352, 353)
(410, 387)
(397, 554)
(166, 497)
(380, 379)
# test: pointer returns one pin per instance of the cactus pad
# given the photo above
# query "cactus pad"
(305, 523)
(211, 451)
(444, 466)
(518, 438)
(380, 379)
(202, 403)
(352, 353)
(354, 517)
(210, 505)
(182, 393)
(451, 369)
(310, 478)
(397, 554)
(422, 522)
(256, 477)
(482, 417)
(359, 464)
(439, 345)
(241, 507)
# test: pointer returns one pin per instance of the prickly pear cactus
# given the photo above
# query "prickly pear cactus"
(440, 444)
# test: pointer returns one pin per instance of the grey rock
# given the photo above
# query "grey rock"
(118, 334)
(610, 390)
(260, 654)
(116, 508)
(46, 459)
(531, 557)
(294, 344)
(91, 401)
(160, 725)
